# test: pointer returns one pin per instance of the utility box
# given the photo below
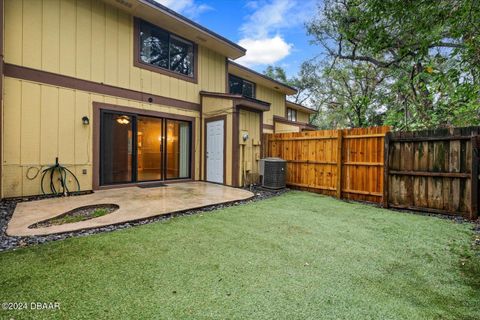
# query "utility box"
(273, 172)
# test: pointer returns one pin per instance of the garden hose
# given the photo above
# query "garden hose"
(62, 177)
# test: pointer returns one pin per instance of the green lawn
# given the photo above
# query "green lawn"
(297, 256)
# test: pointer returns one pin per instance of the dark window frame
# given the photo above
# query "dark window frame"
(137, 61)
(292, 114)
(254, 85)
(134, 164)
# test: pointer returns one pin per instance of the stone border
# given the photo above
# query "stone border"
(7, 207)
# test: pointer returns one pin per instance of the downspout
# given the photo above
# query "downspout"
(2, 12)
(201, 175)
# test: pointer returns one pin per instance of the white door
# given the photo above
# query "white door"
(215, 136)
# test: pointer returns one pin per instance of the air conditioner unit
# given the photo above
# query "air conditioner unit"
(273, 172)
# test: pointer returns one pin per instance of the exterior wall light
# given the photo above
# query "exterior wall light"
(85, 120)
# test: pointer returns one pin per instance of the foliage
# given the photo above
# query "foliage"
(352, 96)
(427, 53)
(306, 82)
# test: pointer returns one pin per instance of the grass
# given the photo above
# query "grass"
(76, 218)
(297, 256)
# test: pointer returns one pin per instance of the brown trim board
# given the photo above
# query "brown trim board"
(301, 125)
(235, 146)
(268, 126)
(142, 65)
(206, 121)
(299, 107)
(98, 106)
(237, 99)
(227, 84)
(55, 79)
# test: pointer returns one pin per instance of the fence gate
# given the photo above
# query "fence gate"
(434, 171)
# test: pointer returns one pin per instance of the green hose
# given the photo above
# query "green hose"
(62, 173)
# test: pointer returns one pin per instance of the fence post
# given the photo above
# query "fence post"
(339, 163)
(474, 177)
(386, 165)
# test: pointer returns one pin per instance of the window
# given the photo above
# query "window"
(291, 114)
(160, 49)
(240, 86)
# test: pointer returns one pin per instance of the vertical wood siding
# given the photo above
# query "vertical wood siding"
(302, 116)
(90, 40)
(277, 101)
(284, 128)
(42, 122)
(250, 122)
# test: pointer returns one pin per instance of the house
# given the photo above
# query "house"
(127, 92)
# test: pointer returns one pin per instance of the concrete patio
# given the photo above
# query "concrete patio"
(135, 203)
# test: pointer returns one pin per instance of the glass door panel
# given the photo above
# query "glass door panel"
(116, 148)
(149, 149)
(177, 149)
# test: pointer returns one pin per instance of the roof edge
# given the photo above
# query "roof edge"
(300, 107)
(239, 100)
(194, 24)
(258, 74)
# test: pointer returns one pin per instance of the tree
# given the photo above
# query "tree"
(427, 53)
(351, 96)
(307, 82)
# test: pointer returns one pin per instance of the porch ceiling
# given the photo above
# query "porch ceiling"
(135, 204)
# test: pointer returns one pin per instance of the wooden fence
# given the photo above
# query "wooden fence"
(434, 171)
(343, 163)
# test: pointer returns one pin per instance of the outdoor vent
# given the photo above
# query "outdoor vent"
(273, 172)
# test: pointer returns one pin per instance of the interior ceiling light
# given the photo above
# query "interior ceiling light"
(123, 120)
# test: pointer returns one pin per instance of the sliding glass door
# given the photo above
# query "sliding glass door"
(178, 149)
(137, 148)
(149, 149)
(116, 156)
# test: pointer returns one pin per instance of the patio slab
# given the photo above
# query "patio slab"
(135, 203)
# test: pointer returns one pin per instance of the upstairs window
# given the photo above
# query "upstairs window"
(240, 86)
(163, 50)
(291, 114)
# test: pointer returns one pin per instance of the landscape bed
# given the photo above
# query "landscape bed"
(295, 256)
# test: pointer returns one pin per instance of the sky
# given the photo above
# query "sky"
(272, 31)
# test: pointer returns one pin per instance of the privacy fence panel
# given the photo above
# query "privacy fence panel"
(434, 171)
(362, 163)
(342, 163)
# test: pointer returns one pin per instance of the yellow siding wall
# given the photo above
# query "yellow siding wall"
(277, 101)
(302, 117)
(215, 107)
(250, 122)
(90, 40)
(283, 128)
(41, 122)
(267, 130)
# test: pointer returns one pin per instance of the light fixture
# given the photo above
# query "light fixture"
(123, 120)
(85, 120)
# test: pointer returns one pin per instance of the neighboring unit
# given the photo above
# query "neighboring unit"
(128, 92)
